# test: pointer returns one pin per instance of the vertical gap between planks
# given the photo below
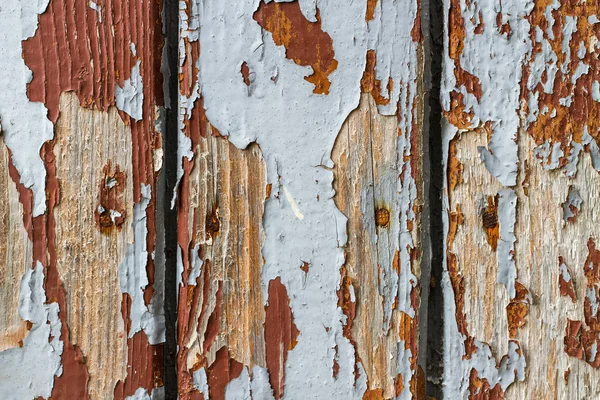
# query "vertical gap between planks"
(432, 303)
(169, 69)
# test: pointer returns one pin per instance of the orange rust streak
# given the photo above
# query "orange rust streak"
(305, 42)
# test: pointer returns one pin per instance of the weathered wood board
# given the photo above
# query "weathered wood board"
(300, 199)
(520, 99)
(286, 173)
(81, 276)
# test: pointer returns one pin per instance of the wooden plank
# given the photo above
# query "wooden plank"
(299, 200)
(81, 280)
(521, 187)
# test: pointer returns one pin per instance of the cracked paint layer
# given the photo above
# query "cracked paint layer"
(23, 136)
(519, 90)
(289, 87)
(90, 49)
(28, 371)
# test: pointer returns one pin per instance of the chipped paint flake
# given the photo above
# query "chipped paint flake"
(130, 97)
(133, 278)
(28, 372)
(24, 124)
(295, 129)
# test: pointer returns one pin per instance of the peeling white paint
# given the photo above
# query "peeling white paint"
(201, 382)
(133, 278)
(142, 394)
(24, 124)
(496, 60)
(296, 130)
(130, 97)
(28, 372)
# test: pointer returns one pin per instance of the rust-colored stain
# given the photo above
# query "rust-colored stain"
(348, 307)
(503, 28)
(280, 334)
(457, 34)
(222, 371)
(582, 341)
(370, 84)
(382, 217)
(517, 309)
(455, 167)
(370, 15)
(110, 210)
(489, 220)
(213, 223)
(564, 123)
(374, 394)
(572, 339)
(305, 267)
(479, 388)
(566, 287)
(245, 73)
(566, 375)
(305, 42)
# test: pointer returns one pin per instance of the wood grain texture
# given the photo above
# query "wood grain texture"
(15, 256)
(87, 255)
(521, 159)
(92, 71)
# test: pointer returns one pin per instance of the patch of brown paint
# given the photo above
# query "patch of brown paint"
(503, 28)
(479, 388)
(374, 394)
(566, 287)
(222, 371)
(245, 73)
(517, 309)
(415, 32)
(480, 25)
(370, 15)
(572, 339)
(280, 334)
(489, 220)
(382, 217)
(348, 307)
(110, 210)
(305, 42)
(566, 375)
(305, 267)
(582, 341)
(563, 123)
(369, 83)
(335, 369)
(398, 385)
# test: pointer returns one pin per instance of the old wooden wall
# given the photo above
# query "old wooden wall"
(520, 99)
(239, 200)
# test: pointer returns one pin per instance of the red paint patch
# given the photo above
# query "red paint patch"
(305, 42)
(222, 371)
(280, 334)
